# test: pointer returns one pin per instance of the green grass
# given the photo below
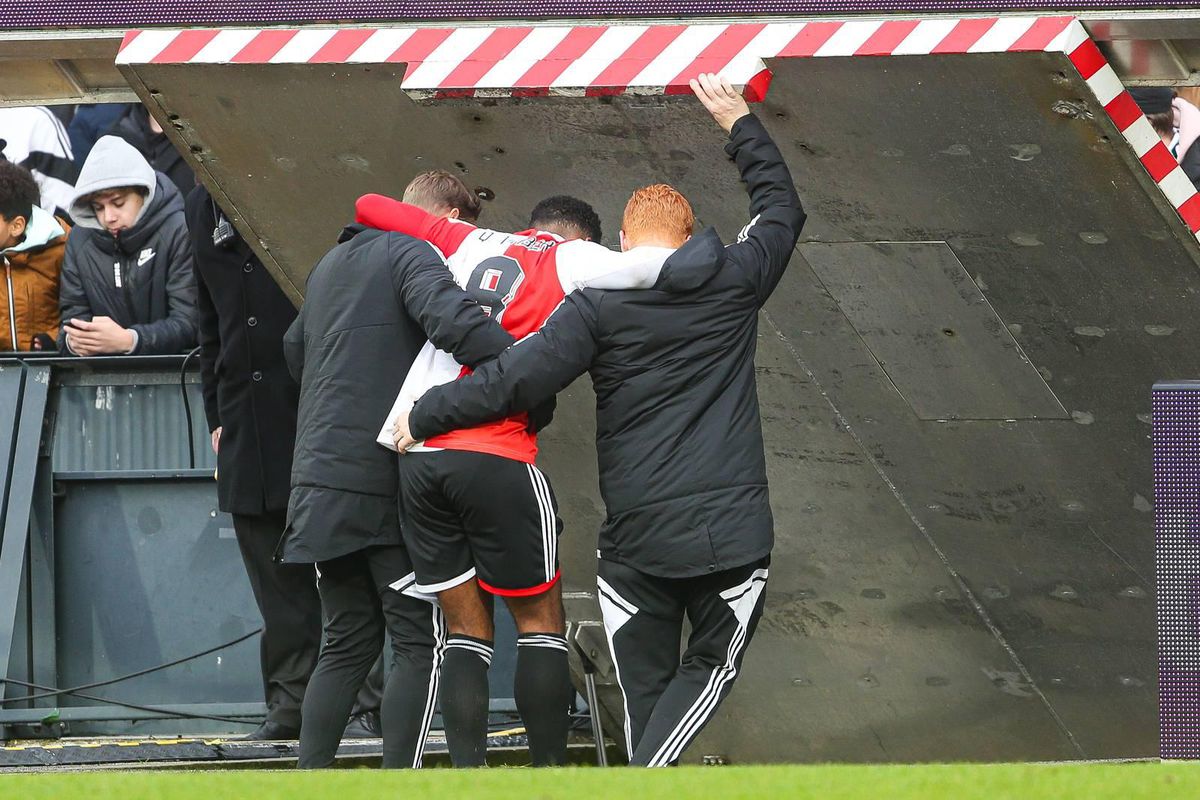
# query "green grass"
(954, 782)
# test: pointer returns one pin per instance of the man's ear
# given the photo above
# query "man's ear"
(452, 213)
(686, 238)
(18, 226)
(624, 242)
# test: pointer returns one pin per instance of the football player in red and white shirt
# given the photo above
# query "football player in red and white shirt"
(519, 278)
(476, 509)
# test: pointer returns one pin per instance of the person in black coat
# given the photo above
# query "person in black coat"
(370, 305)
(141, 130)
(90, 122)
(679, 443)
(250, 402)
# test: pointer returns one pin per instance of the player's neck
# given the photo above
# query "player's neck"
(651, 241)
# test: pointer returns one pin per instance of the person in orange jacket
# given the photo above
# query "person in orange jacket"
(32, 245)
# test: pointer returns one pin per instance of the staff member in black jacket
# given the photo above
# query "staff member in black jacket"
(370, 306)
(682, 472)
(250, 403)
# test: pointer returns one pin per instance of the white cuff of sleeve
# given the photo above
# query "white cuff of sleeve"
(130, 351)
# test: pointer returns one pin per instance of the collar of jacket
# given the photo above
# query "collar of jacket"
(694, 264)
(43, 229)
(350, 231)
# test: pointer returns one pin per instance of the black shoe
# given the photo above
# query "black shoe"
(272, 732)
(364, 725)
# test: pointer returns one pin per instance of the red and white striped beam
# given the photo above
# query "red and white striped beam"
(528, 60)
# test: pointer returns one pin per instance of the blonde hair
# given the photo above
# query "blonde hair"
(438, 190)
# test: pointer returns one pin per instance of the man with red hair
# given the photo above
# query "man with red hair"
(689, 530)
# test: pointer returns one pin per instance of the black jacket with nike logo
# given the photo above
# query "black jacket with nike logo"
(678, 434)
(143, 278)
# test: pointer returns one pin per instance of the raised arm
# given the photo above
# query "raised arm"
(386, 214)
(451, 319)
(764, 247)
(525, 375)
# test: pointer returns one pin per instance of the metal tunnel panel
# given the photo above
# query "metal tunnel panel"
(973, 589)
(932, 331)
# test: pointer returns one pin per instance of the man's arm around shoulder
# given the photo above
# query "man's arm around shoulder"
(386, 214)
(451, 319)
(524, 376)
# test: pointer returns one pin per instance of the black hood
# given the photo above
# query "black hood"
(694, 264)
(165, 201)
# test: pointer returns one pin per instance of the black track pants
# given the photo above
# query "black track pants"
(363, 594)
(669, 700)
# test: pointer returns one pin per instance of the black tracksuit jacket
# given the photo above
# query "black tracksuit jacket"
(369, 307)
(678, 434)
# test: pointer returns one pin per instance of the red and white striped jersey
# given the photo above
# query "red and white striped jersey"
(520, 279)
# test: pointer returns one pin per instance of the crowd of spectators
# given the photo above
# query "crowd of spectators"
(93, 236)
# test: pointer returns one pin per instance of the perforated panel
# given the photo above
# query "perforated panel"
(47, 13)
(1177, 558)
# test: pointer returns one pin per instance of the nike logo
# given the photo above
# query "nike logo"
(145, 256)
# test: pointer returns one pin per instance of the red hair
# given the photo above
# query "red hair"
(658, 212)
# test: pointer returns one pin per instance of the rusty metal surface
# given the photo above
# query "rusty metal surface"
(972, 589)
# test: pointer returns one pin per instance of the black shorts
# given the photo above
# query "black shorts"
(471, 515)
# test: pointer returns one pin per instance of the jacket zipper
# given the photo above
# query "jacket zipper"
(12, 309)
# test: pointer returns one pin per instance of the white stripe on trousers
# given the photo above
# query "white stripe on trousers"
(542, 492)
(439, 651)
(609, 594)
(698, 714)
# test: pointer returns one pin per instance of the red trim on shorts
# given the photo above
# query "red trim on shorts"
(532, 590)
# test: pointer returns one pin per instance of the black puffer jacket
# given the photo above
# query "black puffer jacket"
(678, 435)
(370, 305)
(156, 291)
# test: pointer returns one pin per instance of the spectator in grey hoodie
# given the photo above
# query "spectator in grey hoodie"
(127, 280)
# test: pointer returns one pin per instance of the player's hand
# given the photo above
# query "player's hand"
(401, 436)
(723, 101)
(216, 440)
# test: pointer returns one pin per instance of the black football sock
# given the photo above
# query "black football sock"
(542, 688)
(464, 699)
